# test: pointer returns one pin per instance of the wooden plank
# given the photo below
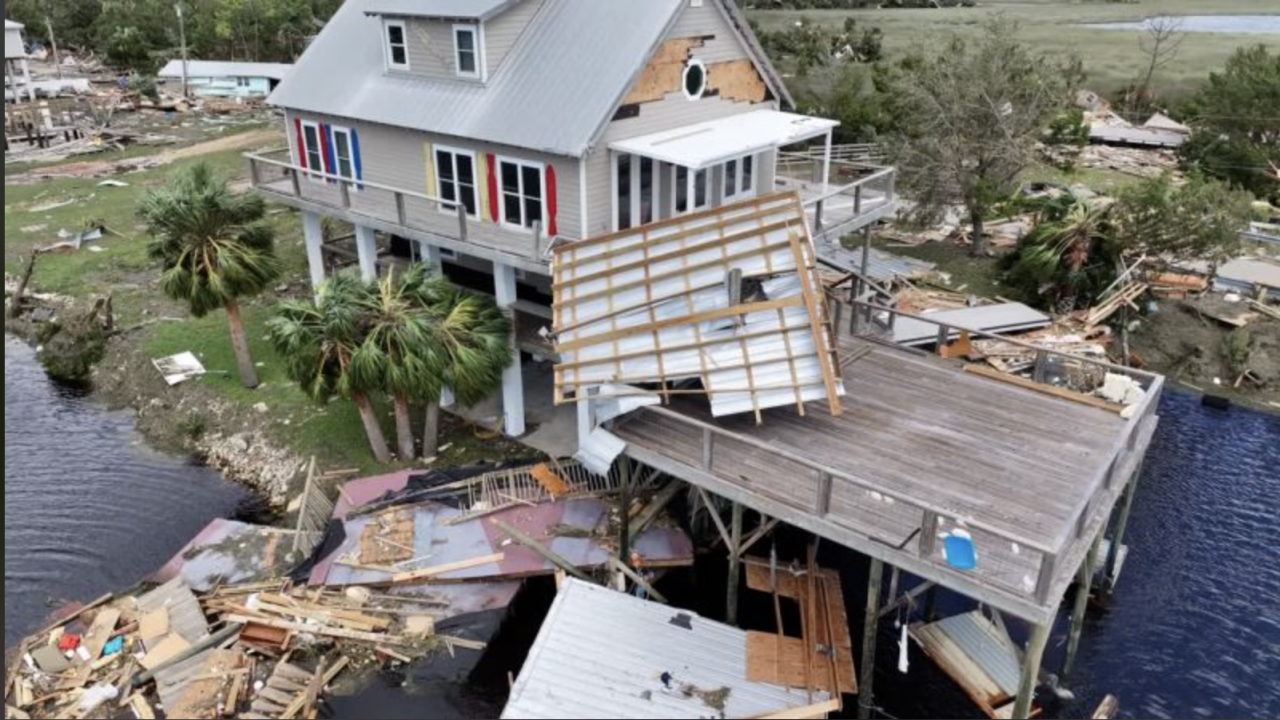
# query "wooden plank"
(1043, 389)
(433, 572)
(812, 712)
(374, 638)
(100, 632)
(542, 550)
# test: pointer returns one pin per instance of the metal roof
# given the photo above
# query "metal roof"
(652, 305)
(1004, 318)
(1145, 136)
(11, 25)
(715, 141)
(219, 69)
(603, 654)
(555, 92)
(462, 9)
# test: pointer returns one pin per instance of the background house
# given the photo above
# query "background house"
(206, 78)
(15, 63)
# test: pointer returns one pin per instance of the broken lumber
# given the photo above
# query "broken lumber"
(373, 638)
(432, 572)
(812, 712)
(1052, 390)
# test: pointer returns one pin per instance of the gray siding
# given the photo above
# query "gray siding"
(672, 112)
(396, 157)
(431, 50)
(502, 32)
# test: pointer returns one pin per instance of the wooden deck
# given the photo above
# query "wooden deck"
(922, 449)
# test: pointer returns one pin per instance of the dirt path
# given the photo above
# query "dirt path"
(108, 168)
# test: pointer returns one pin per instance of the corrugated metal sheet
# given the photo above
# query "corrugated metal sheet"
(1248, 272)
(230, 553)
(610, 292)
(883, 267)
(553, 93)
(1005, 318)
(185, 616)
(468, 9)
(1153, 137)
(603, 654)
(218, 69)
(975, 635)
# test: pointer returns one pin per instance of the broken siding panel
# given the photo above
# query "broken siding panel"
(502, 32)
(397, 157)
(721, 42)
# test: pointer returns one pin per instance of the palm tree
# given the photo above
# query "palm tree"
(397, 349)
(469, 350)
(1070, 255)
(320, 343)
(214, 247)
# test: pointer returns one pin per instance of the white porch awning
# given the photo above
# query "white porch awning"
(710, 143)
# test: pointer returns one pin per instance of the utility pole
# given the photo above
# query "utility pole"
(182, 33)
(53, 43)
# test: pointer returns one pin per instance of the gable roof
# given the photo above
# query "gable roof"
(218, 69)
(555, 92)
(460, 9)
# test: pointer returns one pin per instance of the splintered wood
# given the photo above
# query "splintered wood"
(729, 298)
(388, 539)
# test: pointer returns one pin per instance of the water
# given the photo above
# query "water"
(87, 508)
(1248, 24)
(1193, 630)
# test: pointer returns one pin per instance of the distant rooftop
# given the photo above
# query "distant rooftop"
(215, 68)
(11, 25)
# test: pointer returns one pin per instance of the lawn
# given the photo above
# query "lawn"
(1112, 58)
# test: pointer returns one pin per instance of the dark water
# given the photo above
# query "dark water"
(87, 508)
(1192, 632)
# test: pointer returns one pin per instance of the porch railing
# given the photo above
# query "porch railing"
(853, 189)
(274, 173)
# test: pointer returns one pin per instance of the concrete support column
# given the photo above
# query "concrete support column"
(504, 279)
(870, 634)
(313, 232)
(1031, 671)
(431, 254)
(367, 248)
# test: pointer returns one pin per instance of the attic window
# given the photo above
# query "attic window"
(467, 46)
(397, 45)
(695, 79)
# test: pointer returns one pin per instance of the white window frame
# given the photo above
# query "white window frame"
(315, 171)
(691, 187)
(354, 177)
(684, 79)
(388, 46)
(477, 34)
(637, 199)
(475, 179)
(741, 191)
(502, 192)
(244, 82)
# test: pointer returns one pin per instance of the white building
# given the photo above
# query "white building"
(15, 60)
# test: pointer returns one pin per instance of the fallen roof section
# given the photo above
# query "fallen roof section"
(1002, 318)
(605, 654)
(1246, 274)
(729, 297)
(978, 656)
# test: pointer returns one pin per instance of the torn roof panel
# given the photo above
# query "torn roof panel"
(231, 553)
(654, 305)
(603, 654)
(1002, 318)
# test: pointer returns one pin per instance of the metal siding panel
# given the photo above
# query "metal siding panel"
(14, 47)
(723, 44)
(502, 32)
(431, 52)
(232, 70)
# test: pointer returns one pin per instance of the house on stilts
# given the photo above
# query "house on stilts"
(628, 180)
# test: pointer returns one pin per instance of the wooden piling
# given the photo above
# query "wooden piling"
(1083, 590)
(735, 563)
(870, 634)
(1122, 527)
(1031, 671)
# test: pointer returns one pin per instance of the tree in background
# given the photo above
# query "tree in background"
(1199, 220)
(975, 110)
(1160, 42)
(1236, 122)
(864, 101)
(319, 342)
(214, 247)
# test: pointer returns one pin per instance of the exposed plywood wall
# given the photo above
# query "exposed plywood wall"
(734, 80)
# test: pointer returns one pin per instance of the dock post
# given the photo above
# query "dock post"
(931, 604)
(735, 563)
(870, 634)
(1122, 527)
(1031, 671)
(1083, 590)
(624, 511)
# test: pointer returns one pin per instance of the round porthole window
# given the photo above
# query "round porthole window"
(695, 79)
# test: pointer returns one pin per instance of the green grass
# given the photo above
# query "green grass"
(980, 277)
(1112, 58)
(1100, 180)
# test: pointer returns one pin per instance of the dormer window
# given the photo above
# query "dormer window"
(466, 41)
(397, 45)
